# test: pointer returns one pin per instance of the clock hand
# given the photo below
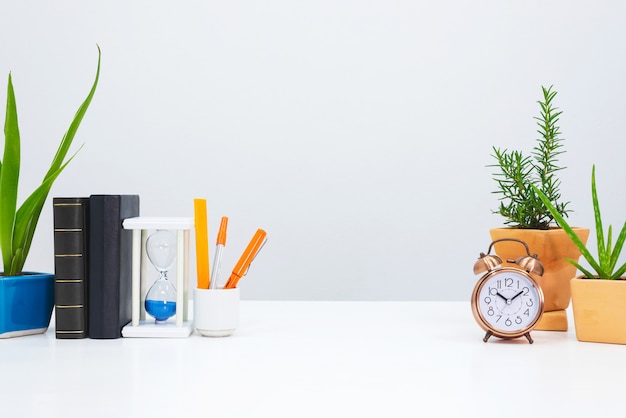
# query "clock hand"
(516, 296)
(506, 299)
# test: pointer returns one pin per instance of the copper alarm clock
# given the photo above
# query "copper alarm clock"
(507, 302)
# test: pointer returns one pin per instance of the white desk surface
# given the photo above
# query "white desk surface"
(317, 359)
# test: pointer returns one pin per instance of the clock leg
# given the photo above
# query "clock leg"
(487, 335)
(528, 337)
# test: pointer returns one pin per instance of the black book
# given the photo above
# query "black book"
(71, 266)
(110, 269)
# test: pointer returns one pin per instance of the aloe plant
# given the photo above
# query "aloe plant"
(17, 226)
(605, 265)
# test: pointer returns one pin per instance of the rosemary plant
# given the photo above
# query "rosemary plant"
(519, 202)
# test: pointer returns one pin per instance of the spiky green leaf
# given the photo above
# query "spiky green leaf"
(18, 227)
(9, 176)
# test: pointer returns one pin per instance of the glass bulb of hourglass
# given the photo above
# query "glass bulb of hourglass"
(161, 298)
(161, 249)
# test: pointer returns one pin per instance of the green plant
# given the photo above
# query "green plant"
(605, 265)
(17, 226)
(519, 203)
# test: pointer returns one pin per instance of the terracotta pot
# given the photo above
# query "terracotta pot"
(26, 304)
(599, 308)
(552, 246)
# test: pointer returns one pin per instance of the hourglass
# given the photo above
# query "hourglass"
(162, 243)
(161, 298)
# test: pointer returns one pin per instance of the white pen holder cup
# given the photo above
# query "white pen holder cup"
(216, 311)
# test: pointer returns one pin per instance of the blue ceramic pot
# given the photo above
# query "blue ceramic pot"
(26, 304)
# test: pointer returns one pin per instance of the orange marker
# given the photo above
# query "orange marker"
(202, 243)
(242, 266)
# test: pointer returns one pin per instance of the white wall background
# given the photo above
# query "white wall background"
(357, 133)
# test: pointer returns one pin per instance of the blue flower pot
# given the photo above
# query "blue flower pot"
(26, 304)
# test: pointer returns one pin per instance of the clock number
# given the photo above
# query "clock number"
(499, 282)
(518, 320)
(508, 322)
(490, 312)
(527, 312)
(487, 300)
(499, 317)
(508, 282)
(530, 302)
(526, 290)
(493, 291)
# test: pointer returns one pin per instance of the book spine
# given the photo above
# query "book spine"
(71, 263)
(129, 209)
(110, 269)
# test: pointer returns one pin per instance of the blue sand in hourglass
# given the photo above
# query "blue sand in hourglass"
(161, 310)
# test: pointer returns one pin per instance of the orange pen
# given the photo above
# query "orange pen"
(242, 266)
(202, 243)
(219, 248)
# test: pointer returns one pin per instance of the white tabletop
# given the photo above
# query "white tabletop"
(317, 359)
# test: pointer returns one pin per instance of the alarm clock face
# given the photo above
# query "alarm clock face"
(508, 302)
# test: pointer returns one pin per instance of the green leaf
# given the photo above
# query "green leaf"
(17, 228)
(619, 272)
(66, 142)
(27, 217)
(619, 244)
(569, 231)
(9, 176)
(598, 218)
(584, 271)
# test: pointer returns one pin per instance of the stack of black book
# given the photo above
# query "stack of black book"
(92, 263)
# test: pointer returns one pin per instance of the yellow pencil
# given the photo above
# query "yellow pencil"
(202, 243)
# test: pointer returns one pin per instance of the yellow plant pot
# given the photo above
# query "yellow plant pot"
(552, 246)
(599, 308)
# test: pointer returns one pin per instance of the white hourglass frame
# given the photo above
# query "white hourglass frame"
(139, 325)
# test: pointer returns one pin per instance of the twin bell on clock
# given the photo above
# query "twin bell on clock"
(507, 302)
